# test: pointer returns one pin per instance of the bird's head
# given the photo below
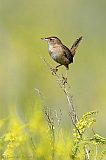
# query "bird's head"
(52, 40)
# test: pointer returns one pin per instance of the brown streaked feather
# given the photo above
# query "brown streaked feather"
(75, 45)
(67, 53)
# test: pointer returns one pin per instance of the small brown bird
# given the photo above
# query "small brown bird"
(60, 53)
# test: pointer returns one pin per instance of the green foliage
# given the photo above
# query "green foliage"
(81, 139)
(85, 122)
(34, 140)
(103, 154)
(98, 139)
(26, 134)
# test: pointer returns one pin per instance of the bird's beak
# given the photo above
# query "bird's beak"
(44, 39)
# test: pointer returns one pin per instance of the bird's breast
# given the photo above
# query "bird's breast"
(55, 56)
(55, 52)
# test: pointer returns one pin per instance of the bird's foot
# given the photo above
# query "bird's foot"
(54, 71)
(64, 80)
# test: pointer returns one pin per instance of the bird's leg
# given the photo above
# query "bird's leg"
(54, 70)
(66, 74)
(65, 78)
(58, 66)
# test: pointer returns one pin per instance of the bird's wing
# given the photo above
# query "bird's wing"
(67, 53)
(75, 45)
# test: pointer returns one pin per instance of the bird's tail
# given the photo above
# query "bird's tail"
(75, 45)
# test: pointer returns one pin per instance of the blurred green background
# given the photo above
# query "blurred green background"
(22, 24)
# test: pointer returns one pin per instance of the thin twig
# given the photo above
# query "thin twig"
(50, 121)
(63, 86)
(58, 117)
(87, 155)
(66, 92)
(33, 144)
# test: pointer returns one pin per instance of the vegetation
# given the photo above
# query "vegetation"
(44, 138)
(40, 117)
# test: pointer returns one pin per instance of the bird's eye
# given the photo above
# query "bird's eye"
(50, 39)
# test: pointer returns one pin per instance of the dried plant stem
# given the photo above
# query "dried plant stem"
(63, 85)
(50, 121)
(66, 92)
(87, 155)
